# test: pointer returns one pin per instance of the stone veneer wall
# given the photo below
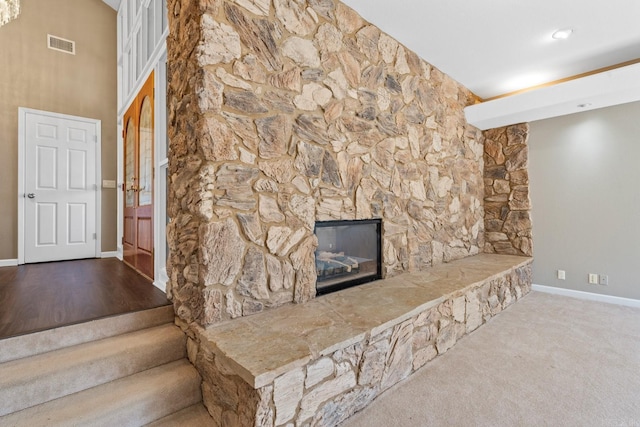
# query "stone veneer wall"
(506, 191)
(331, 388)
(284, 112)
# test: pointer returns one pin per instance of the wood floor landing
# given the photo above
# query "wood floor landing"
(36, 297)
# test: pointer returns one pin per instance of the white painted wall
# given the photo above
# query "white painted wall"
(585, 191)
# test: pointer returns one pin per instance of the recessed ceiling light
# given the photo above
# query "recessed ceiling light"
(562, 34)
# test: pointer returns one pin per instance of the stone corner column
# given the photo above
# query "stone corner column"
(185, 162)
(507, 203)
(237, 247)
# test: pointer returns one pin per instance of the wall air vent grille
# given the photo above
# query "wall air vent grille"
(60, 44)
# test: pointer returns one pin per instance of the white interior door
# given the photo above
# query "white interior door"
(59, 187)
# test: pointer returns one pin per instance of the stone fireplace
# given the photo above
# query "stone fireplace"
(348, 254)
(288, 113)
(283, 113)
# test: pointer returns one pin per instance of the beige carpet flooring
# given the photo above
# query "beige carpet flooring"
(548, 360)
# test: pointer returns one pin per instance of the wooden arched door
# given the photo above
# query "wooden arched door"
(137, 241)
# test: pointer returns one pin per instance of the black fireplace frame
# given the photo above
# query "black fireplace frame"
(358, 281)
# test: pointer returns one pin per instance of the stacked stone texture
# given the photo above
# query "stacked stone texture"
(330, 388)
(284, 112)
(506, 188)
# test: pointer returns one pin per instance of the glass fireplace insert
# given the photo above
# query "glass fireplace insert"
(348, 254)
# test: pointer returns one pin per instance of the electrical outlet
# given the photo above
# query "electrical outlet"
(593, 279)
(561, 275)
(604, 279)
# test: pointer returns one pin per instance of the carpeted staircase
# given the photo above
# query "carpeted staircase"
(128, 370)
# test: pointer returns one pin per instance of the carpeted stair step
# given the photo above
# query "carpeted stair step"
(133, 401)
(193, 416)
(41, 342)
(44, 377)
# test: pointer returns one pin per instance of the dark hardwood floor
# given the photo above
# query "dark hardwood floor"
(36, 297)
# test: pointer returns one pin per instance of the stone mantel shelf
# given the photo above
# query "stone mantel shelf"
(259, 348)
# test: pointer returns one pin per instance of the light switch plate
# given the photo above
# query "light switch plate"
(107, 183)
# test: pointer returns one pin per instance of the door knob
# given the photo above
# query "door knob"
(31, 195)
(133, 186)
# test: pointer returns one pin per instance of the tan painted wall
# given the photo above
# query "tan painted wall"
(33, 76)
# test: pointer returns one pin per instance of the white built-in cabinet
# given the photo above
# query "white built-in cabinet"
(142, 33)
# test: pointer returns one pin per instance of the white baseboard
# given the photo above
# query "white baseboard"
(587, 295)
(8, 262)
(161, 282)
(110, 254)
(160, 285)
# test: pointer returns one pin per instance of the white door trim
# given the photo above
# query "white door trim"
(22, 114)
(160, 277)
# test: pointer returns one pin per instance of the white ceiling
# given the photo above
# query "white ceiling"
(495, 47)
(115, 4)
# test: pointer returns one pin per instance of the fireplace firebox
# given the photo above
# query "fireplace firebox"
(348, 254)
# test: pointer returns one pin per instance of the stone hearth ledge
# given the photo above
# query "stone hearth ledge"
(264, 346)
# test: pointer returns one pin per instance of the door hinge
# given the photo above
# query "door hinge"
(95, 236)
(122, 240)
(95, 187)
(95, 138)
